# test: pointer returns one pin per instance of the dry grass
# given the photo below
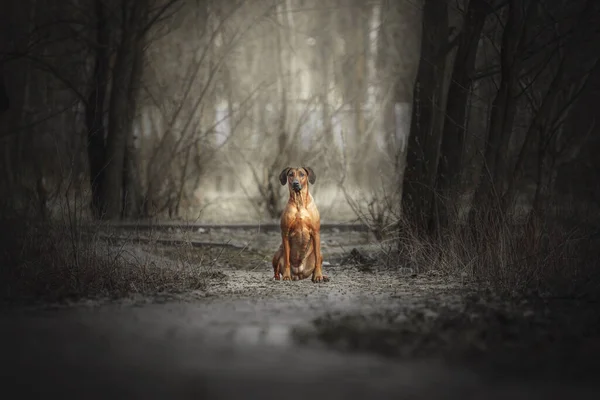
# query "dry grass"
(378, 209)
(60, 261)
(552, 255)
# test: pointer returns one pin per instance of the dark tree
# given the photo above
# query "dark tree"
(425, 131)
(547, 54)
(4, 100)
(94, 107)
(450, 169)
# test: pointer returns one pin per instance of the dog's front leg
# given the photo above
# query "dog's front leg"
(318, 272)
(287, 273)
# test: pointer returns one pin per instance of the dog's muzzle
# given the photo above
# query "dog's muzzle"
(296, 186)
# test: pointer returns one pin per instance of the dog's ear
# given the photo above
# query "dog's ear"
(312, 177)
(283, 175)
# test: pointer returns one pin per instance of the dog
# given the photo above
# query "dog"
(299, 255)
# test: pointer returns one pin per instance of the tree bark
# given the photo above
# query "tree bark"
(120, 110)
(490, 186)
(358, 83)
(449, 172)
(17, 23)
(94, 111)
(4, 99)
(425, 132)
(132, 189)
(325, 49)
(273, 207)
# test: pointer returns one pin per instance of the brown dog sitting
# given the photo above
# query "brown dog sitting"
(299, 254)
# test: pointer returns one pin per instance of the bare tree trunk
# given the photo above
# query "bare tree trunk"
(132, 188)
(120, 109)
(360, 70)
(545, 180)
(272, 189)
(133, 199)
(325, 49)
(94, 110)
(556, 103)
(425, 133)
(182, 181)
(519, 15)
(26, 100)
(493, 171)
(4, 99)
(15, 37)
(448, 183)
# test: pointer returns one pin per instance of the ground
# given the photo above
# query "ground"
(374, 330)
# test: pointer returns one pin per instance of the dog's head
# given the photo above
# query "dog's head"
(297, 178)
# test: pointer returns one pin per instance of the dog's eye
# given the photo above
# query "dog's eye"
(301, 174)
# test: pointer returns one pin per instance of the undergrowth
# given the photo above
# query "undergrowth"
(60, 260)
(554, 254)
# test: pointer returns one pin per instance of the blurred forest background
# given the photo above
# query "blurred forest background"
(191, 108)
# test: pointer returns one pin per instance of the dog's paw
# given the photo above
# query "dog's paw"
(320, 279)
(287, 277)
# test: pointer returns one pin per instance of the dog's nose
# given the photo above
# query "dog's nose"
(296, 184)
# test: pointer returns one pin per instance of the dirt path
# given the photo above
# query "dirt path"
(249, 336)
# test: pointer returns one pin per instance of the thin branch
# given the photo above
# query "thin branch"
(162, 13)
